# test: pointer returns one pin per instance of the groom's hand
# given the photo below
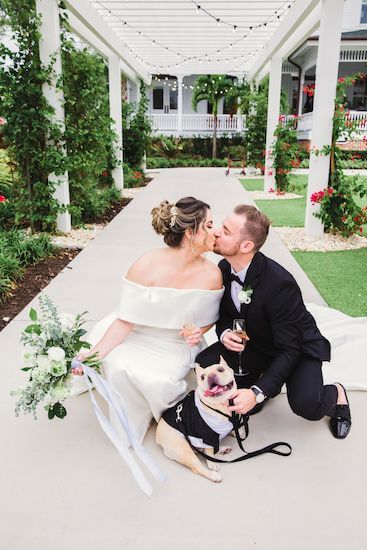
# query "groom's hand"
(232, 341)
(243, 401)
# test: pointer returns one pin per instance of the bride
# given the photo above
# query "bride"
(145, 348)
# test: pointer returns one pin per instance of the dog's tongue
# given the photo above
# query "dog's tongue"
(213, 391)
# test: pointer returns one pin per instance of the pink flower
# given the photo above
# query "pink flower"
(2, 198)
(2, 121)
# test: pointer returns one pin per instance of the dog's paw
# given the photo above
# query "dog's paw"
(224, 450)
(213, 466)
(216, 477)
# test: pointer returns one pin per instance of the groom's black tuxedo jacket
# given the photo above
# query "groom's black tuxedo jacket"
(280, 329)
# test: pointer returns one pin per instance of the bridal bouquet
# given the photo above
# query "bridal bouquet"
(50, 343)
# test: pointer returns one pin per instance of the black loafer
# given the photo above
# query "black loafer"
(341, 422)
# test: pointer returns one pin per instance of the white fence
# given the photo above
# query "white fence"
(197, 123)
(304, 123)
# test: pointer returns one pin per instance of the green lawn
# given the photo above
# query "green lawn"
(340, 277)
(253, 184)
(290, 212)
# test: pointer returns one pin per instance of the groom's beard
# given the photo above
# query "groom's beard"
(226, 253)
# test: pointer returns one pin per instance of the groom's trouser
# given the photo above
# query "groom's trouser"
(307, 395)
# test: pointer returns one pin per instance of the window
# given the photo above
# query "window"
(157, 98)
(210, 108)
(173, 99)
(359, 98)
(364, 11)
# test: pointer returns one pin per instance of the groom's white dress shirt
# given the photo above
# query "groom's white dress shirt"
(235, 289)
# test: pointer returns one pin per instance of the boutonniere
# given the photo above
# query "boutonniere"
(244, 295)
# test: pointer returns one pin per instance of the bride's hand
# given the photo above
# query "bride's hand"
(78, 371)
(194, 338)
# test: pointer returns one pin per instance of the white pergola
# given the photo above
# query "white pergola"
(182, 37)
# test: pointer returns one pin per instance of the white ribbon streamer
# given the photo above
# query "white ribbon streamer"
(119, 407)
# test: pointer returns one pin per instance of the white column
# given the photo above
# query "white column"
(323, 107)
(301, 85)
(50, 46)
(179, 103)
(114, 78)
(275, 79)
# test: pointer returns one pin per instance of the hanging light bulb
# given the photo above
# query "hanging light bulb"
(251, 30)
(234, 28)
(198, 9)
(218, 22)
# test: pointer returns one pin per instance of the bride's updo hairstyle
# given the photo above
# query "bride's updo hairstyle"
(171, 220)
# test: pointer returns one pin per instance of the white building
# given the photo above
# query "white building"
(298, 71)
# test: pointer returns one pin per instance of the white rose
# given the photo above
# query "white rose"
(67, 321)
(242, 296)
(43, 363)
(58, 394)
(39, 375)
(58, 368)
(56, 354)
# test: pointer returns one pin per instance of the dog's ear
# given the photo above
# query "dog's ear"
(223, 362)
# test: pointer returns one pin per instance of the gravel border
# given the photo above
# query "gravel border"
(296, 239)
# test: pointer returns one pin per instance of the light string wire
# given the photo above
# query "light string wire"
(278, 14)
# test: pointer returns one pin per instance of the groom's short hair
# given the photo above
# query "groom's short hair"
(256, 224)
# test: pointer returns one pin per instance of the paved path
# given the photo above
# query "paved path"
(63, 486)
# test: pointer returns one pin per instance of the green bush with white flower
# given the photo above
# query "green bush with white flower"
(49, 345)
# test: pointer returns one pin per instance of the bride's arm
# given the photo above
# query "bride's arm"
(116, 333)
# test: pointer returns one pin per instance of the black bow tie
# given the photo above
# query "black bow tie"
(234, 277)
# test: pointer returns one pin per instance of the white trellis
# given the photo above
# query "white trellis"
(181, 38)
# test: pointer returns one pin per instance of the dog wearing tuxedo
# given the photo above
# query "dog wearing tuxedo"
(285, 345)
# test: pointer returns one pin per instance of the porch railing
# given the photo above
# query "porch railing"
(197, 122)
(304, 122)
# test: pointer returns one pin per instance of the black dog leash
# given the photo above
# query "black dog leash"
(238, 421)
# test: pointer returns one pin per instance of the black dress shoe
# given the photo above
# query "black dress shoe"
(341, 422)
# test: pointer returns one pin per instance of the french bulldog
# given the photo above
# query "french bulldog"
(204, 426)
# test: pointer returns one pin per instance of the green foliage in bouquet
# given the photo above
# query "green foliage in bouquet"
(50, 343)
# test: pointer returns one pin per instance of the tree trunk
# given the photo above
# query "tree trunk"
(214, 151)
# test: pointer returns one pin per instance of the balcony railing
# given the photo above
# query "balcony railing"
(197, 123)
(304, 123)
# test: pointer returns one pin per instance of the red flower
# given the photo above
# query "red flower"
(330, 191)
(105, 173)
(341, 79)
(361, 229)
(344, 219)
(2, 198)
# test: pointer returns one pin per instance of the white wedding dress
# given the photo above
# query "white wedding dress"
(149, 368)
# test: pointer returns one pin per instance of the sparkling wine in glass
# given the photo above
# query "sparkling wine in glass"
(239, 329)
(188, 327)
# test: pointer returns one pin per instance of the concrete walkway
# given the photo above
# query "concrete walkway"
(63, 486)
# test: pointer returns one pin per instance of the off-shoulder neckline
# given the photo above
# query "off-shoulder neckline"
(172, 288)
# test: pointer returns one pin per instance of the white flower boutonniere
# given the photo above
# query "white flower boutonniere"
(244, 295)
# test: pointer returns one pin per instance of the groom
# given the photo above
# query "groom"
(285, 345)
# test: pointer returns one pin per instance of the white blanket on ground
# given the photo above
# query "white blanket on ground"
(348, 338)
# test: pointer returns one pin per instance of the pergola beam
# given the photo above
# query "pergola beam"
(87, 36)
(92, 21)
(301, 21)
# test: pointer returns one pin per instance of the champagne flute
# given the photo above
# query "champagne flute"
(239, 329)
(188, 327)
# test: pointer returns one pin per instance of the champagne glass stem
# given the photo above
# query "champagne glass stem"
(240, 362)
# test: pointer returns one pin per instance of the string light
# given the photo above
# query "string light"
(276, 16)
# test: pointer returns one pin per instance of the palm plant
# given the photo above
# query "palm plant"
(211, 88)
